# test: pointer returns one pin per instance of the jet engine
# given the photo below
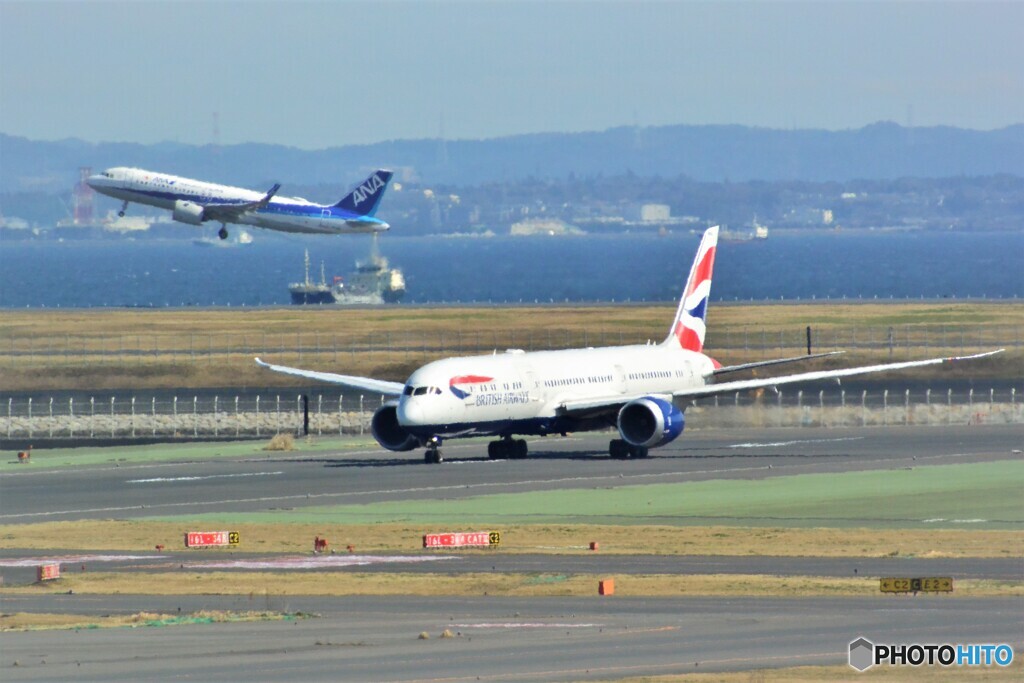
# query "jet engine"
(388, 432)
(187, 212)
(649, 422)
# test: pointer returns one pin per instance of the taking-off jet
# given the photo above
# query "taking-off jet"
(196, 202)
(641, 391)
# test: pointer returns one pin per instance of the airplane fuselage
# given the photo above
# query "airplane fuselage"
(521, 393)
(283, 214)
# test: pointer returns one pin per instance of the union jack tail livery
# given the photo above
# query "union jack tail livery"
(688, 328)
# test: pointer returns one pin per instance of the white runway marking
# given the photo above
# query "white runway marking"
(315, 561)
(198, 478)
(525, 625)
(776, 444)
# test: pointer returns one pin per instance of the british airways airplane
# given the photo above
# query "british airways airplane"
(195, 202)
(641, 391)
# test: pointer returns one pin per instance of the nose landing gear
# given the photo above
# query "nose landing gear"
(124, 207)
(433, 455)
(223, 232)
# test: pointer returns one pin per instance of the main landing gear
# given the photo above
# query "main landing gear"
(124, 207)
(507, 449)
(433, 454)
(223, 232)
(619, 449)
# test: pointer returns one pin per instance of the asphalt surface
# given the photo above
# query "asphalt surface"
(592, 638)
(514, 639)
(291, 480)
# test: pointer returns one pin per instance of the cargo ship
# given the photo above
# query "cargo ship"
(371, 283)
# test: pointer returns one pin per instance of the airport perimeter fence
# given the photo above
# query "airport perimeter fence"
(408, 346)
(184, 418)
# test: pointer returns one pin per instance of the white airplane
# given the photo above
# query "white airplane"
(195, 202)
(639, 390)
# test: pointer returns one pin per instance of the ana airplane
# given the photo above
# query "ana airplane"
(195, 202)
(639, 390)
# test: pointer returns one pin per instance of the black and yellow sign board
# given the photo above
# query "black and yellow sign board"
(933, 584)
(494, 538)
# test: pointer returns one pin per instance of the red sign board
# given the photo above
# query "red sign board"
(208, 539)
(471, 539)
(47, 572)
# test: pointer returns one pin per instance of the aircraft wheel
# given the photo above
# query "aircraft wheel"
(638, 452)
(495, 451)
(520, 449)
(432, 456)
(618, 449)
(222, 233)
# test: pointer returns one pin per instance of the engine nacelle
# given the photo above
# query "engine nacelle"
(650, 422)
(187, 212)
(388, 432)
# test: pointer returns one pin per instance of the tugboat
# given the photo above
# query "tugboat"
(309, 292)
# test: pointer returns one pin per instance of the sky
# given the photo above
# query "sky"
(324, 74)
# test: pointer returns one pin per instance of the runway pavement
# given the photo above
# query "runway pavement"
(534, 639)
(525, 639)
(275, 481)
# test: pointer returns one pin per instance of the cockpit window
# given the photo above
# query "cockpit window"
(435, 390)
(419, 391)
(408, 390)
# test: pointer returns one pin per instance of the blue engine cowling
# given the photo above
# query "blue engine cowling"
(388, 433)
(650, 422)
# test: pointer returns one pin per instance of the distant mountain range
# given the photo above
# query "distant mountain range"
(705, 153)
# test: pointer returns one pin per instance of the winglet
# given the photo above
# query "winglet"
(363, 200)
(688, 328)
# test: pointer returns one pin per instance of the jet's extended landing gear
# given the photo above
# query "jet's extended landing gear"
(507, 449)
(124, 207)
(223, 232)
(619, 449)
(433, 454)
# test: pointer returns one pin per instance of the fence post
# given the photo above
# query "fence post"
(30, 417)
(341, 430)
(216, 418)
(92, 416)
(360, 414)
(71, 416)
(153, 413)
(906, 406)
(10, 402)
(195, 416)
(238, 419)
(278, 405)
(885, 402)
(113, 423)
(133, 417)
(319, 418)
(949, 406)
(257, 414)
(51, 417)
(928, 397)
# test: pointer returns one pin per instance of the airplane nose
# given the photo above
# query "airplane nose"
(96, 182)
(410, 413)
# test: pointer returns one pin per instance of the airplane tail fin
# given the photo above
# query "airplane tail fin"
(688, 327)
(364, 199)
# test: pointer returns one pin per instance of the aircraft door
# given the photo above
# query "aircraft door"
(325, 218)
(619, 379)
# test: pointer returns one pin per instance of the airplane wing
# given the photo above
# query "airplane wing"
(760, 364)
(377, 386)
(230, 213)
(610, 403)
(745, 384)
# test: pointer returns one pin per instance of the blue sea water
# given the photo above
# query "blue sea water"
(852, 265)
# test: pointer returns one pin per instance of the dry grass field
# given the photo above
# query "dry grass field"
(113, 349)
(138, 536)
